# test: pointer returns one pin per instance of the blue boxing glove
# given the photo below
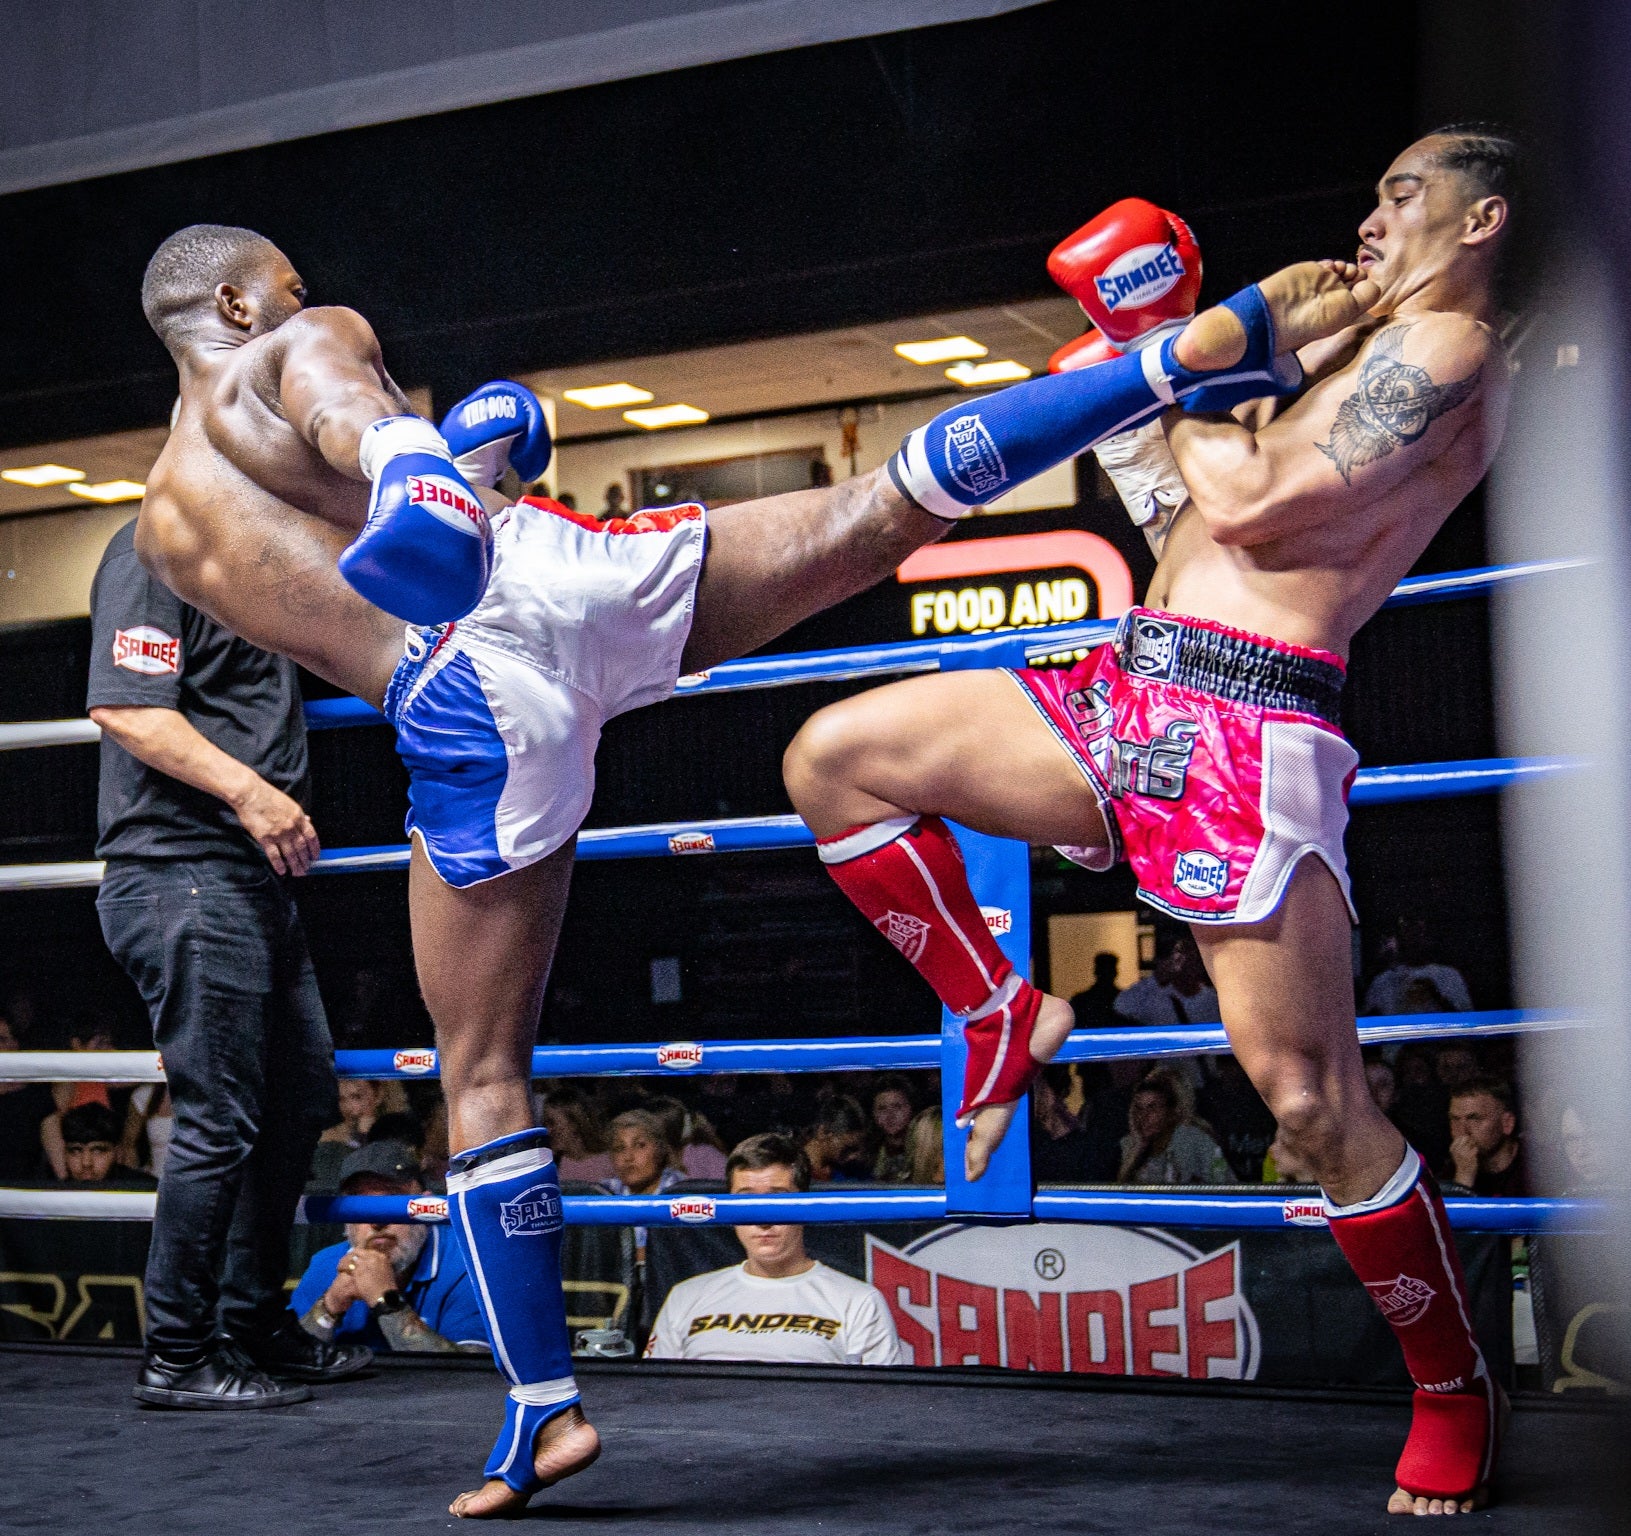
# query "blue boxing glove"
(500, 426)
(427, 548)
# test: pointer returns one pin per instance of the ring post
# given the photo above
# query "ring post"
(999, 870)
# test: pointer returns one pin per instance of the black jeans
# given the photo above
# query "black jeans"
(217, 950)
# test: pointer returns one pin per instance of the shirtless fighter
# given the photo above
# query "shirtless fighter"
(1202, 745)
(299, 503)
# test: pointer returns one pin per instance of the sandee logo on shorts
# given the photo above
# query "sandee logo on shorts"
(692, 1209)
(679, 1055)
(972, 459)
(1141, 276)
(1198, 873)
(146, 650)
(533, 1213)
(417, 1062)
(447, 502)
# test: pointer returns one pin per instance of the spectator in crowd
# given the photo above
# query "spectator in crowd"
(1177, 991)
(149, 1124)
(643, 1158)
(836, 1144)
(1239, 1118)
(360, 1102)
(1062, 1152)
(566, 498)
(70, 1095)
(697, 1154)
(779, 1304)
(1486, 1154)
(575, 1136)
(1095, 1006)
(1161, 1147)
(891, 1117)
(926, 1149)
(614, 502)
(1588, 1168)
(90, 1145)
(1456, 1066)
(1410, 956)
(396, 1287)
(24, 1108)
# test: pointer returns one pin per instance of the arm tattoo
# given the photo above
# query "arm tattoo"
(409, 1334)
(1394, 405)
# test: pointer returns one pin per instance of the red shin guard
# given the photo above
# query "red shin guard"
(907, 876)
(1399, 1244)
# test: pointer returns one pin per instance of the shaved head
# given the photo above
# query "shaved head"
(178, 289)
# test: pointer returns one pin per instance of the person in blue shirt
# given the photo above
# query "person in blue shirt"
(395, 1286)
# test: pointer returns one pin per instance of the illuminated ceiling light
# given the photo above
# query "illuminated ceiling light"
(666, 416)
(110, 490)
(42, 474)
(972, 375)
(599, 397)
(948, 349)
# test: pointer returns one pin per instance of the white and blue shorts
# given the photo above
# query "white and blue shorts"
(498, 716)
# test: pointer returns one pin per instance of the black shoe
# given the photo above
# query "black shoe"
(224, 1378)
(292, 1354)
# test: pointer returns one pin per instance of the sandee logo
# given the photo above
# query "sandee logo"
(146, 650)
(1304, 1213)
(1198, 873)
(416, 1062)
(428, 1208)
(998, 919)
(972, 459)
(692, 1209)
(445, 501)
(488, 408)
(691, 842)
(1141, 276)
(679, 1055)
(533, 1213)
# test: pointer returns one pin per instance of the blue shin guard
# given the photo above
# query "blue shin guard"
(504, 1200)
(970, 455)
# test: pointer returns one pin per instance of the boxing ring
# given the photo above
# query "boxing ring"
(842, 1450)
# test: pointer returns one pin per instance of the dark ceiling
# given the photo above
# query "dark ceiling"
(827, 186)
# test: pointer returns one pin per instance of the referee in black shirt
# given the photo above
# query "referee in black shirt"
(200, 821)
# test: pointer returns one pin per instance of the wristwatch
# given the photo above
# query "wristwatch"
(392, 1301)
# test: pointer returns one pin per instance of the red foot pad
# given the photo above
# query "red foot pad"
(1452, 1444)
(1000, 1067)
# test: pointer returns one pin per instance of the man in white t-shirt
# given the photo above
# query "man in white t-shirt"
(779, 1305)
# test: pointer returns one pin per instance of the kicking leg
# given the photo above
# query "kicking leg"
(1285, 991)
(774, 562)
(872, 776)
(483, 956)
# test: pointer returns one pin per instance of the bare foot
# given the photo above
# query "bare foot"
(1308, 301)
(566, 1444)
(1054, 1021)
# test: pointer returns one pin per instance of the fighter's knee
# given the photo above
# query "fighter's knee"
(820, 753)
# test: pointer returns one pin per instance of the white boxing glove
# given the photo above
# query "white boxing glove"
(1147, 478)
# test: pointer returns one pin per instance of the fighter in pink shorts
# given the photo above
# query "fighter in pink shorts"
(1202, 744)
(1215, 757)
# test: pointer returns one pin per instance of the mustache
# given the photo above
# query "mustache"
(1369, 250)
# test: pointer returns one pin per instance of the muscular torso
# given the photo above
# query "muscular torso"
(1317, 586)
(245, 520)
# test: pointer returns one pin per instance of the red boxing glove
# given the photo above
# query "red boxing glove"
(1084, 352)
(1135, 270)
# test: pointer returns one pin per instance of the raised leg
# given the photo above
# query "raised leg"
(872, 776)
(483, 956)
(1286, 994)
(773, 562)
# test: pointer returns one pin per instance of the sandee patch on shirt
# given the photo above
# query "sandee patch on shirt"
(767, 1322)
(147, 650)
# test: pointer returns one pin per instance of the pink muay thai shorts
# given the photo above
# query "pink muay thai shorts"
(1215, 756)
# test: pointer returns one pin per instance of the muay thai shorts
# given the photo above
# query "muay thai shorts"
(1216, 759)
(498, 716)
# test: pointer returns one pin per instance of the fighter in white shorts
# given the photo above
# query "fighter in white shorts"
(299, 503)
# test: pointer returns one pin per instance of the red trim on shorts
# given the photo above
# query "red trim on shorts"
(663, 520)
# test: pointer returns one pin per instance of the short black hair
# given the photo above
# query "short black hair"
(771, 1150)
(1485, 155)
(182, 275)
(1496, 1088)
(86, 1123)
